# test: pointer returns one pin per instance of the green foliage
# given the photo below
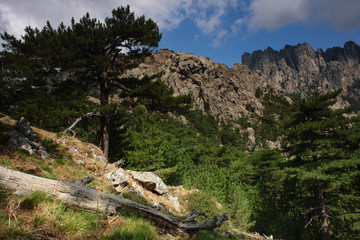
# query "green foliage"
(243, 122)
(205, 123)
(203, 201)
(230, 135)
(51, 109)
(321, 168)
(60, 160)
(269, 211)
(24, 154)
(134, 229)
(65, 220)
(90, 51)
(276, 106)
(156, 95)
(50, 145)
(169, 175)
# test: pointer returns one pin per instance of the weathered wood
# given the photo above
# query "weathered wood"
(89, 114)
(79, 195)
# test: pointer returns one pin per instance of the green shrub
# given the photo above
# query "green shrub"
(203, 201)
(50, 145)
(60, 160)
(170, 176)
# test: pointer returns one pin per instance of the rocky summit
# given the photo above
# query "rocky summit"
(301, 70)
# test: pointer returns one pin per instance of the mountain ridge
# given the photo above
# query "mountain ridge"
(230, 93)
(300, 69)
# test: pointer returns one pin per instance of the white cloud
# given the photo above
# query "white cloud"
(219, 39)
(341, 15)
(274, 14)
(16, 15)
(208, 15)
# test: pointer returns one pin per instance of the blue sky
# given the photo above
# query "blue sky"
(219, 29)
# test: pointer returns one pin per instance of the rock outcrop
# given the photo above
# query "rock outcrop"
(150, 181)
(26, 139)
(146, 185)
(223, 92)
(300, 69)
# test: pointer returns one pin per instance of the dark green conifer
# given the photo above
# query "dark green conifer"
(322, 166)
(96, 53)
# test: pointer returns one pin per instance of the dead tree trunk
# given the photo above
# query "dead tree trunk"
(79, 195)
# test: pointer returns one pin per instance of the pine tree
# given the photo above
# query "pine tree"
(320, 144)
(97, 53)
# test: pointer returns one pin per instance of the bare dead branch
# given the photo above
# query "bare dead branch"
(89, 114)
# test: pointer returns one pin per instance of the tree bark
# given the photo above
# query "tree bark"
(324, 220)
(79, 195)
(105, 122)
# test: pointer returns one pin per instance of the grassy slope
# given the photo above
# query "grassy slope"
(36, 215)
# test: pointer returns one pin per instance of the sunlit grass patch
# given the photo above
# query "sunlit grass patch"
(133, 229)
(14, 232)
(32, 200)
(4, 162)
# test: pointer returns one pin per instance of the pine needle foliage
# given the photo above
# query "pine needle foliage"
(322, 167)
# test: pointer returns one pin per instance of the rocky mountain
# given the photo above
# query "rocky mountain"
(230, 93)
(223, 92)
(300, 69)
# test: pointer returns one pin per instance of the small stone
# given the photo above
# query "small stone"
(118, 178)
(79, 162)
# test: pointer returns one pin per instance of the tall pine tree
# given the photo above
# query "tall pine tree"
(322, 166)
(96, 53)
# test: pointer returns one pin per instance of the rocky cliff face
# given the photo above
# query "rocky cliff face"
(223, 92)
(300, 69)
(230, 93)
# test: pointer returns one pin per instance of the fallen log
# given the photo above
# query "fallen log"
(79, 195)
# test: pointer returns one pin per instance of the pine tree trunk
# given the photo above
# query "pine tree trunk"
(324, 221)
(105, 122)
